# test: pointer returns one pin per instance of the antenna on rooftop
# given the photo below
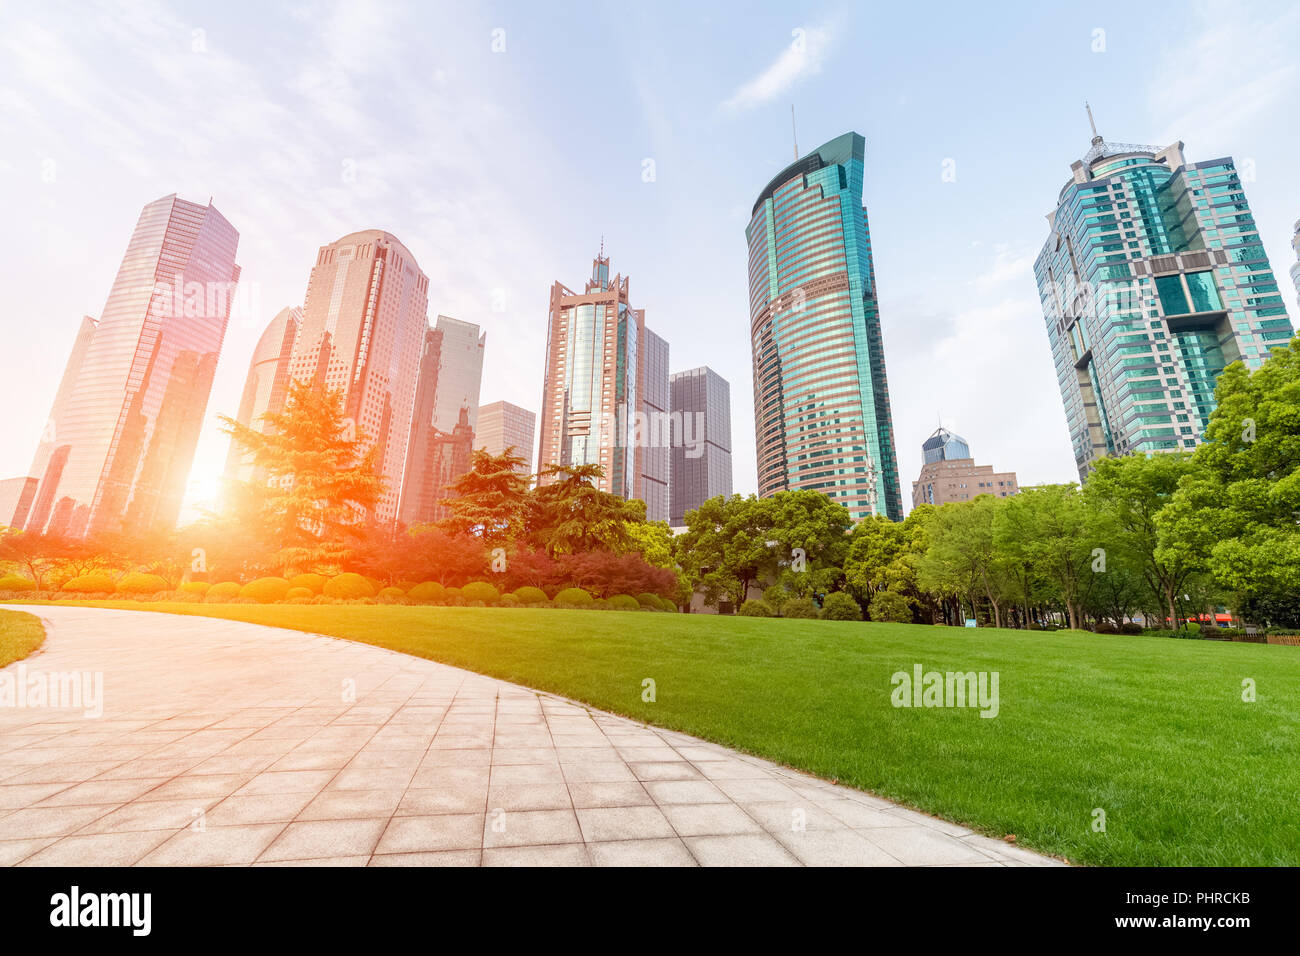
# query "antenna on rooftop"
(1093, 123)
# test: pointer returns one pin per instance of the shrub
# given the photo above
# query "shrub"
(799, 607)
(1106, 628)
(430, 592)
(1130, 627)
(224, 591)
(509, 600)
(315, 583)
(97, 582)
(137, 583)
(890, 607)
(752, 608)
(775, 596)
(624, 602)
(840, 607)
(650, 600)
(390, 596)
(348, 587)
(480, 591)
(195, 587)
(531, 595)
(265, 590)
(574, 597)
(16, 582)
(299, 594)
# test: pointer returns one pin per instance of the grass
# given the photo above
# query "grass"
(20, 634)
(1153, 731)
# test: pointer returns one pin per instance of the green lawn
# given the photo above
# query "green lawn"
(1153, 731)
(20, 634)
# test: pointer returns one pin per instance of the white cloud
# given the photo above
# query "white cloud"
(803, 57)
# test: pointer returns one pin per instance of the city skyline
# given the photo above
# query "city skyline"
(933, 314)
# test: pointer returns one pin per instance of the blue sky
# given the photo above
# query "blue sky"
(500, 142)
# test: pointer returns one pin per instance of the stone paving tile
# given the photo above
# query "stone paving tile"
(234, 748)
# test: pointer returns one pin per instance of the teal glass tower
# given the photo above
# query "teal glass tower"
(1153, 280)
(821, 399)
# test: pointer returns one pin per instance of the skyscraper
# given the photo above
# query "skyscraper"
(267, 383)
(821, 400)
(1153, 279)
(122, 431)
(501, 426)
(1295, 266)
(364, 321)
(460, 372)
(701, 440)
(949, 473)
(605, 391)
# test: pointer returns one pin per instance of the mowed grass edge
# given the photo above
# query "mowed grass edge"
(20, 635)
(1152, 732)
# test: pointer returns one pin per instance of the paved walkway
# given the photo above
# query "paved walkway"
(229, 743)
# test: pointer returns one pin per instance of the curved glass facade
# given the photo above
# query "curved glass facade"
(821, 398)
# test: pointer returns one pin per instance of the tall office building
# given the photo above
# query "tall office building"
(122, 432)
(501, 426)
(1153, 279)
(821, 399)
(16, 497)
(605, 391)
(266, 385)
(1295, 266)
(364, 321)
(460, 372)
(949, 473)
(701, 441)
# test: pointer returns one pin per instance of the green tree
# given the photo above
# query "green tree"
(1048, 527)
(725, 547)
(568, 513)
(962, 560)
(810, 535)
(317, 483)
(490, 500)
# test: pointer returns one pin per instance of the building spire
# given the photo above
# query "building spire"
(1096, 139)
(794, 133)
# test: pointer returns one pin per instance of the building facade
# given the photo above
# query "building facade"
(122, 432)
(949, 473)
(1153, 279)
(502, 425)
(16, 497)
(606, 376)
(363, 329)
(266, 385)
(701, 440)
(460, 372)
(1295, 266)
(821, 399)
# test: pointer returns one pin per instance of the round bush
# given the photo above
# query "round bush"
(890, 607)
(314, 583)
(97, 582)
(624, 602)
(799, 607)
(531, 595)
(390, 596)
(650, 600)
(508, 600)
(196, 587)
(480, 591)
(775, 596)
(574, 597)
(348, 587)
(840, 607)
(16, 582)
(298, 594)
(137, 583)
(224, 591)
(430, 592)
(265, 590)
(752, 608)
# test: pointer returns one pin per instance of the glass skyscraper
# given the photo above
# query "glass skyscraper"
(1153, 279)
(121, 436)
(1295, 266)
(267, 385)
(701, 452)
(821, 399)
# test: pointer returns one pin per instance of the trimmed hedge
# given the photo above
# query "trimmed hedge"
(531, 595)
(390, 596)
(315, 583)
(840, 607)
(509, 600)
(16, 582)
(137, 582)
(480, 591)
(299, 594)
(97, 582)
(265, 590)
(650, 600)
(348, 587)
(196, 587)
(575, 597)
(624, 602)
(799, 607)
(430, 592)
(225, 591)
(752, 608)
(890, 607)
